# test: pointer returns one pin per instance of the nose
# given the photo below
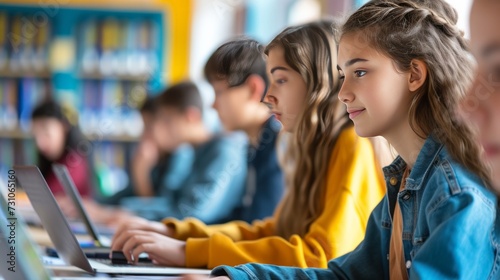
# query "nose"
(215, 104)
(345, 94)
(269, 98)
(43, 144)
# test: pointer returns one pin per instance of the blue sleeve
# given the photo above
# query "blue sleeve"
(458, 246)
(151, 208)
(166, 182)
(272, 272)
(216, 185)
(365, 262)
(269, 191)
(179, 167)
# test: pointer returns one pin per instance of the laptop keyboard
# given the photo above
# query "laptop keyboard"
(110, 263)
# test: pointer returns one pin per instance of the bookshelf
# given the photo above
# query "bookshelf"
(101, 58)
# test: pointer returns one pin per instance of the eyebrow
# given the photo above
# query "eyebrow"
(278, 68)
(490, 49)
(354, 61)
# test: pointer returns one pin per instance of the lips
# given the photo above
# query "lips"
(277, 115)
(354, 112)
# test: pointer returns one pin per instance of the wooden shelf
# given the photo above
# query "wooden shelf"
(6, 73)
(132, 78)
(21, 135)
(14, 134)
(112, 138)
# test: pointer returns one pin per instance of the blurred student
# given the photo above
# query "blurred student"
(59, 141)
(237, 72)
(482, 105)
(147, 155)
(333, 186)
(216, 182)
(481, 108)
(152, 169)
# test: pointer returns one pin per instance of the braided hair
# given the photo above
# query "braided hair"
(425, 30)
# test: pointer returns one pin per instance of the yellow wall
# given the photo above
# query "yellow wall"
(180, 17)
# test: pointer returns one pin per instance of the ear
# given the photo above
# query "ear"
(257, 87)
(193, 114)
(418, 75)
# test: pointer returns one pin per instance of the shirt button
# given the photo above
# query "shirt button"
(406, 196)
(408, 264)
(393, 181)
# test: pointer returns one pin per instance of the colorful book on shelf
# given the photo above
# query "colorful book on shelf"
(109, 45)
(28, 29)
(3, 104)
(26, 103)
(89, 51)
(27, 154)
(110, 111)
(16, 44)
(10, 156)
(25, 44)
(8, 104)
(110, 168)
(153, 30)
(3, 40)
(39, 61)
(135, 93)
(130, 33)
(31, 92)
(89, 115)
(107, 109)
(6, 155)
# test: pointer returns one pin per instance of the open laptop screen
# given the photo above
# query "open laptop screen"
(44, 203)
(19, 257)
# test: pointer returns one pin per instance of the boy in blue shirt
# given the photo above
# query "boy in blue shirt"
(237, 72)
(215, 184)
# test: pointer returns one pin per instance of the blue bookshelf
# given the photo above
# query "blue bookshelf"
(100, 62)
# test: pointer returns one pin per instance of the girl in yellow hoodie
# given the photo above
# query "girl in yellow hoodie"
(333, 176)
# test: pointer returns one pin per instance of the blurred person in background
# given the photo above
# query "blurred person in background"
(237, 72)
(481, 108)
(216, 182)
(59, 141)
(152, 169)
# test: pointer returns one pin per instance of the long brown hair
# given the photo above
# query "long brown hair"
(311, 50)
(426, 30)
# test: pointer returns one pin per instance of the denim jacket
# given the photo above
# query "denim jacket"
(448, 218)
(495, 272)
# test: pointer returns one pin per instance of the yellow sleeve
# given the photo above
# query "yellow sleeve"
(236, 231)
(353, 188)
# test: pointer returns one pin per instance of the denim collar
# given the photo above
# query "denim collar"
(426, 158)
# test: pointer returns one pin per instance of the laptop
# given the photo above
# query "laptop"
(54, 222)
(28, 263)
(101, 245)
(71, 191)
(20, 258)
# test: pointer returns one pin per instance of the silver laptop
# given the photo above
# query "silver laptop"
(28, 264)
(53, 220)
(20, 258)
(71, 191)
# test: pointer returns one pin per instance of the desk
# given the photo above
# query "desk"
(40, 236)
